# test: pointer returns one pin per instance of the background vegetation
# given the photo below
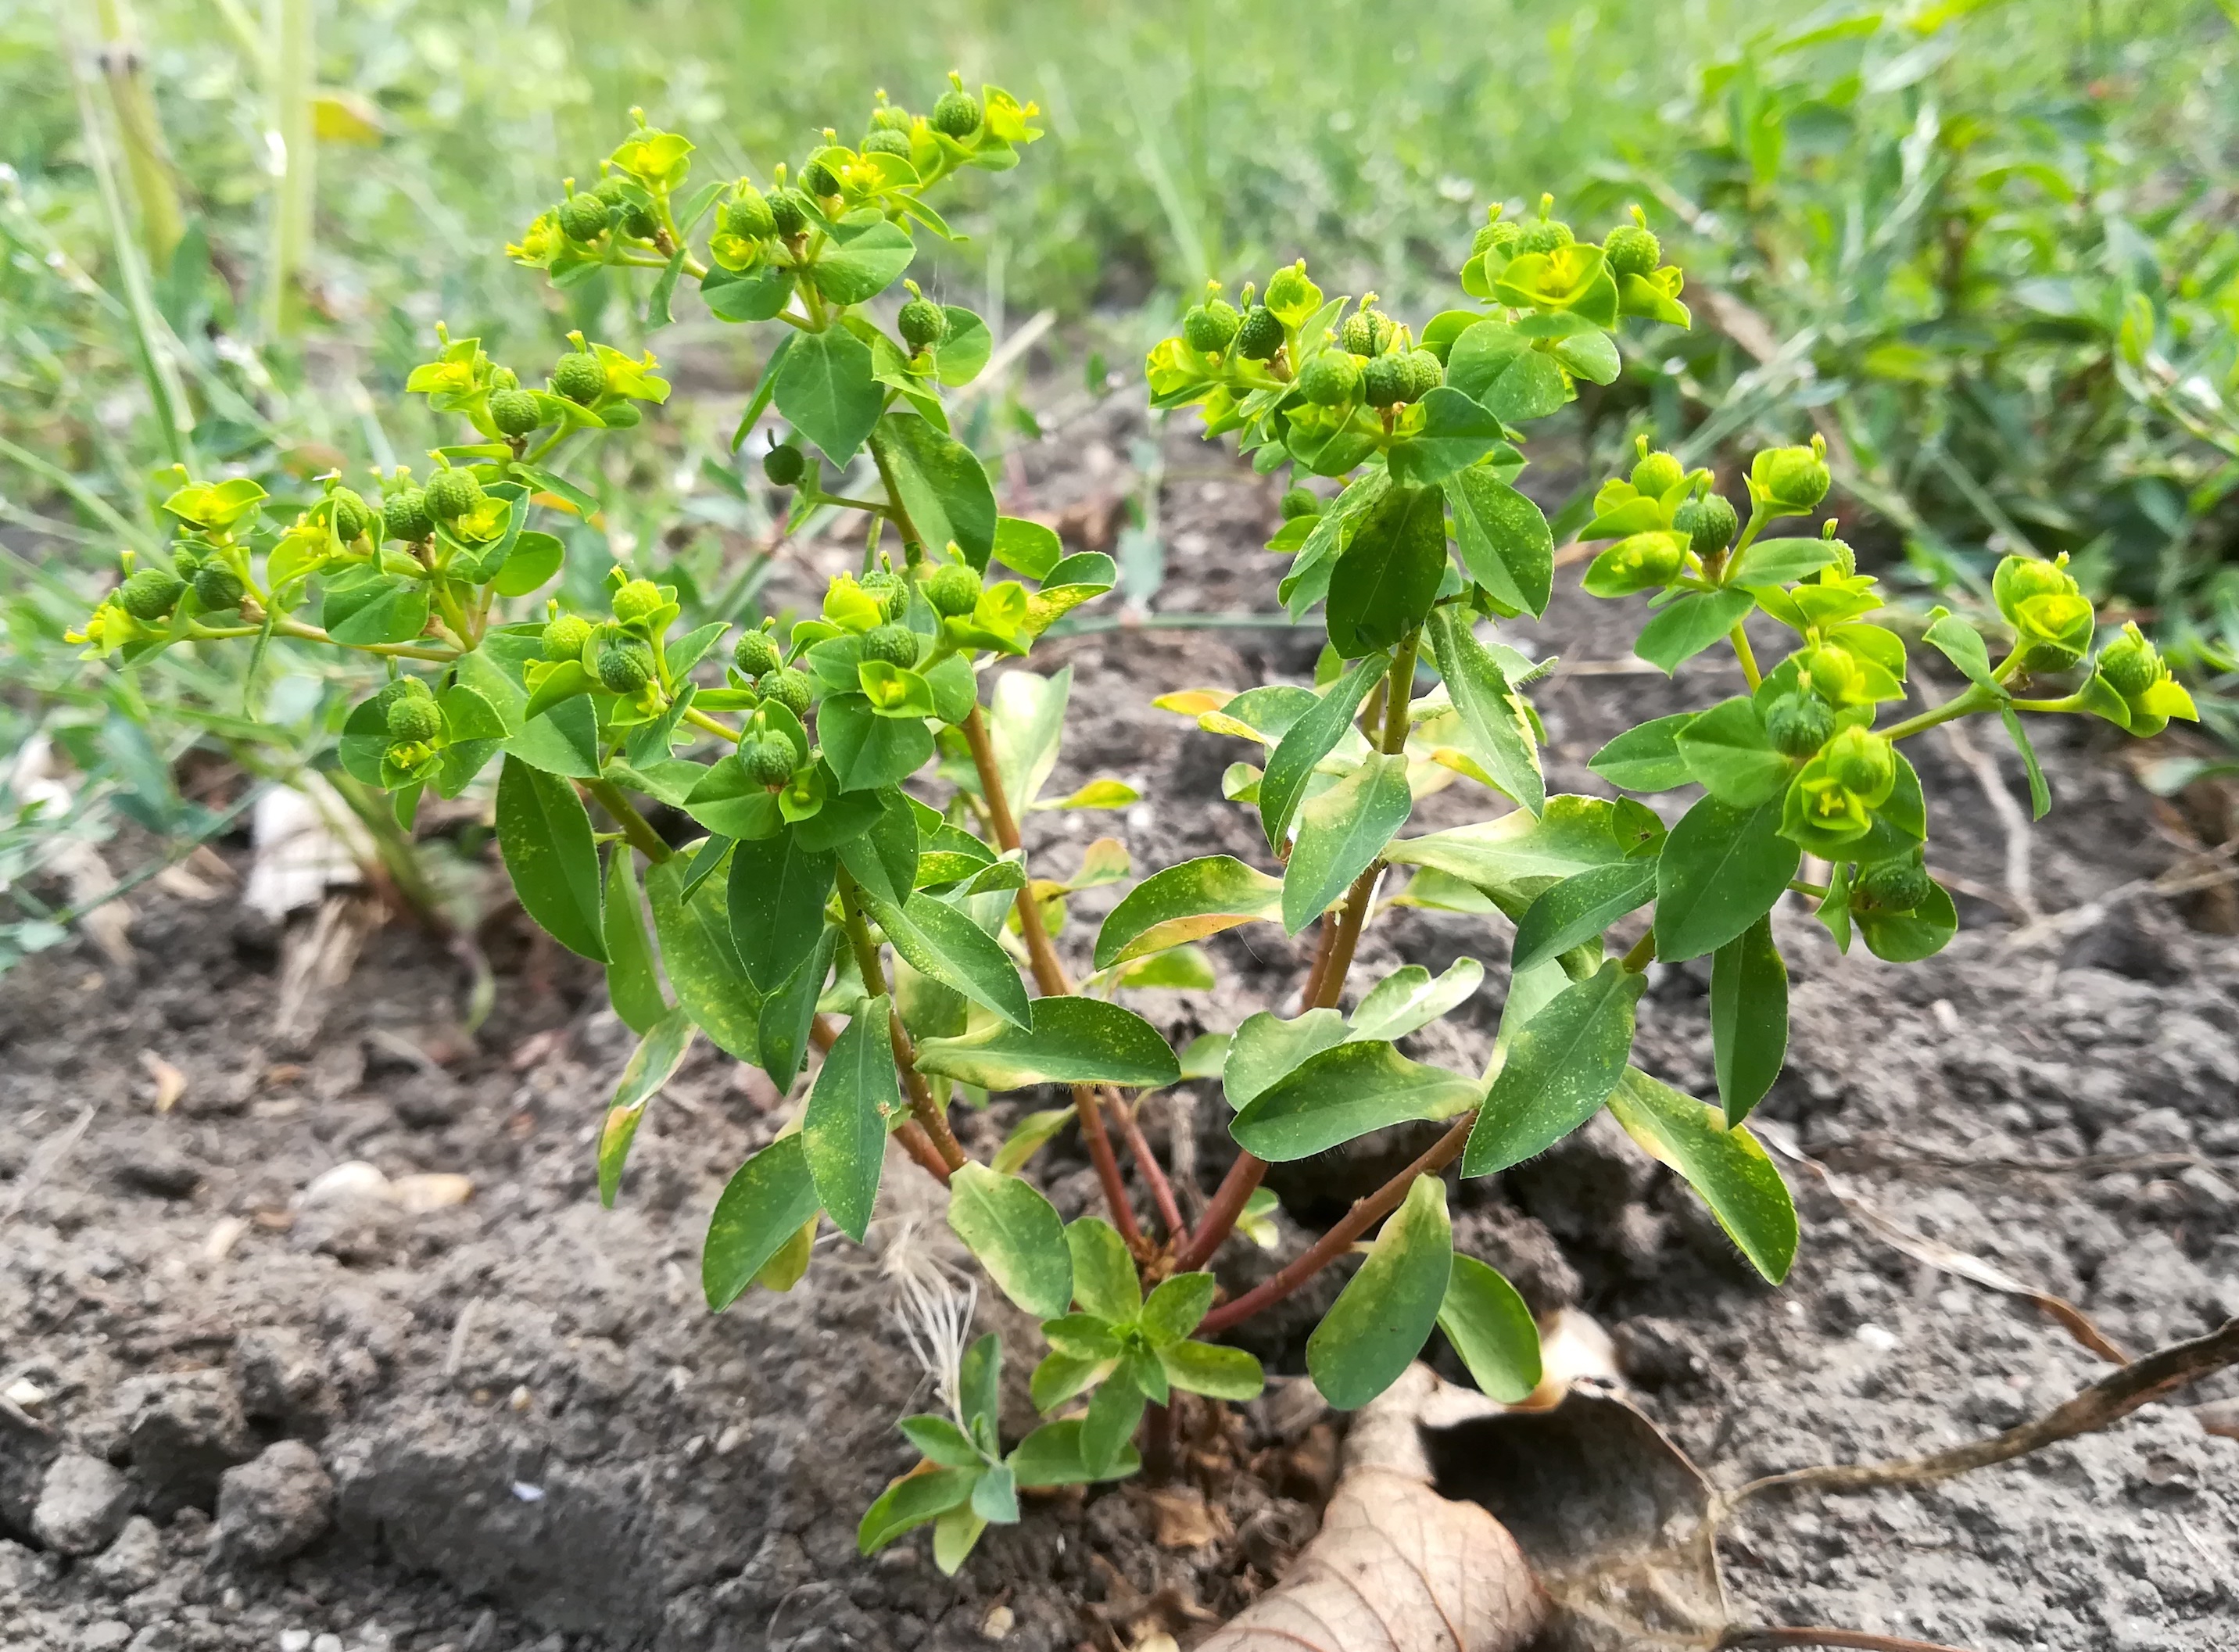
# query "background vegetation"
(1987, 249)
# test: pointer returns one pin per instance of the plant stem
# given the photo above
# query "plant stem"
(1747, 655)
(146, 161)
(1049, 973)
(635, 826)
(700, 719)
(1162, 1189)
(1643, 953)
(1364, 1215)
(1326, 985)
(290, 91)
(912, 541)
(928, 1114)
(1975, 699)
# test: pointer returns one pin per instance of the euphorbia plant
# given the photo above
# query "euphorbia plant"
(857, 881)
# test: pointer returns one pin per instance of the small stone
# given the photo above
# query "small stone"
(294, 1640)
(275, 1507)
(82, 1504)
(158, 1637)
(108, 1633)
(997, 1625)
(429, 1100)
(327, 1643)
(26, 1394)
(133, 1562)
(185, 1430)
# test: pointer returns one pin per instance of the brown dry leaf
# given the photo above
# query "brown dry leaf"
(1397, 1568)
(1184, 1519)
(170, 1082)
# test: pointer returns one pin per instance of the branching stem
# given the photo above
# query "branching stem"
(928, 1111)
(635, 826)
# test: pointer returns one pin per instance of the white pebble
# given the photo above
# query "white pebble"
(294, 1640)
(1874, 1337)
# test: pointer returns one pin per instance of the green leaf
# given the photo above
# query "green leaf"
(1114, 1416)
(882, 858)
(941, 1442)
(1029, 547)
(1051, 1457)
(964, 348)
(534, 560)
(1722, 869)
(1724, 1163)
(1456, 434)
(1025, 723)
(1962, 645)
(1103, 1278)
(544, 834)
(1505, 544)
(1342, 1092)
(1070, 1040)
(1311, 738)
(995, 1499)
(1388, 576)
(1498, 727)
(1017, 1237)
(1684, 628)
(769, 1200)
(1493, 1330)
(1906, 938)
(1028, 1136)
(942, 485)
(1264, 1049)
(789, 1010)
(1592, 356)
(373, 608)
(942, 943)
(911, 1502)
(826, 390)
(2040, 793)
(1515, 858)
(865, 265)
(756, 296)
(1779, 562)
(1532, 388)
(1727, 750)
(1178, 969)
(1408, 999)
(1341, 831)
(564, 740)
(657, 311)
(733, 804)
(777, 895)
(1187, 902)
(1646, 758)
(651, 1066)
(1062, 1376)
(1219, 1373)
(980, 1388)
(1558, 1072)
(866, 750)
(850, 1109)
(1749, 1017)
(702, 962)
(1579, 909)
(632, 986)
(954, 1536)
(1382, 1317)
(1175, 1307)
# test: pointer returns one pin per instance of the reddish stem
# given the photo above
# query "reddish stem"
(1364, 1215)
(1162, 1191)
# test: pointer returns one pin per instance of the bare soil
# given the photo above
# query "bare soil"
(537, 1436)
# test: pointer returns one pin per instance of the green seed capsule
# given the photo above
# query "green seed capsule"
(923, 323)
(637, 600)
(1425, 373)
(621, 417)
(954, 589)
(1212, 326)
(769, 759)
(583, 217)
(957, 114)
(1288, 288)
(217, 587)
(1298, 502)
(414, 717)
(754, 653)
(1798, 725)
(890, 117)
(784, 465)
(789, 688)
(788, 213)
(1330, 379)
(820, 180)
(634, 219)
(747, 215)
(1500, 235)
(1260, 334)
(1709, 523)
(187, 561)
(451, 493)
(1543, 235)
(1894, 886)
(891, 590)
(404, 515)
(515, 412)
(885, 140)
(1384, 380)
(150, 593)
(622, 663)
(2130, 664)
(1657, 474)
(895, 644)
(1631, 249)
(351, 515)
(565, 636)
(1367, 332)
(1860, 761)
(580, 378)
